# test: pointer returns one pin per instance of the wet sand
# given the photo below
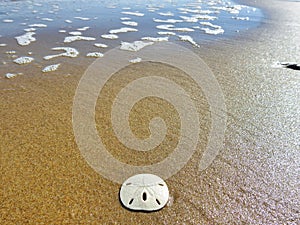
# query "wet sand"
(254, 180)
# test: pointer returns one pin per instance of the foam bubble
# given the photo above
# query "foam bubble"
(155, 39)
(109, 36)
(136, 60)
(166, 13)
(39, 25)
(172, 28)
(130, 23)
(213, 31)
(26, 38)
(75, 33)
(133, 13)
(99, 45)
(23, 60)
(83, 28)
(47, 19)
(188, 39)
(78, 38)
(135, 46)
(51, 68)
(123, 30)
(82, 18)
(69, 52)
(166, 33)
(167, 21)
(125, 18)
(7, 21)
(94, 54)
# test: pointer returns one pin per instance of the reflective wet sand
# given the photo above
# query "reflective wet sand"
(254, 180)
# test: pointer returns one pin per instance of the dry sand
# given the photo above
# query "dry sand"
(254, 180)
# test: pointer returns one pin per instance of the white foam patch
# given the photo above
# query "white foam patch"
(29, 29)
(188, 39)
(125, 18)
(26, 38)
(99, 45)
(166, 33)
(155, 39)
(47, 19)
(82, 18)
(189, 19)
(166, 13)
(10, 75)
(7, 21)
(83, 28)
(51, 68)
(135, 46)
(171, 27)
(38, 25)
(210, 25)
(133, 13)
(68, 21)
(11, 52)
(75, 33)
(241, 18)
(23, 60)
(167, 21)
(213, 31)
(62, 31)
(204, 17)
(136, 60)
(130, 23)
(94, 54)
(109, 36)
(123, 30)
(69, 52)
(78, 38)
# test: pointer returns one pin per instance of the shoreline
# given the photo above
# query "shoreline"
(46, 180)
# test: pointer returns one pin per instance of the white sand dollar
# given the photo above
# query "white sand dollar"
(144, 192)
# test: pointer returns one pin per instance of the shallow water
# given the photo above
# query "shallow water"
(51, 21)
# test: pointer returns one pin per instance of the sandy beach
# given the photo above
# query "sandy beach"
(254, 179)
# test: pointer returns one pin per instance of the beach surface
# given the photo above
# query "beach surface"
(253, 180)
